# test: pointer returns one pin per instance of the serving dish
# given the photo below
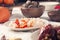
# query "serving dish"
(36, 25)
(32, 9)
(20, 29)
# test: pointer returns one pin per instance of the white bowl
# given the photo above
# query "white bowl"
(49, 5)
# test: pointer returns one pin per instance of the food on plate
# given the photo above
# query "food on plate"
(54, 15)
(1, 1)
(50, 33)
(21, 24)
(31, 22)
(4, 14)
(57, 6)
(9, 2)
(27, 23)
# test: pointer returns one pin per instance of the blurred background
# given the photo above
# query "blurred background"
(35, 0)
(22, 1)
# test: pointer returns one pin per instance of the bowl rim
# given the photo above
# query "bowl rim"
(41, 6)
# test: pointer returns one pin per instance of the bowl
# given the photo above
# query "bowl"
(49, 5)
(33, 12)
(54, 15)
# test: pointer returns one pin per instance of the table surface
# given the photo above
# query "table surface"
(4, 30)
(16, 13)
(24, 35)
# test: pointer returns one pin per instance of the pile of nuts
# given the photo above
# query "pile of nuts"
(31, 4)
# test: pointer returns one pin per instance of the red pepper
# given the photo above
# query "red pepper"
(18, 24)
(24, 26)
(17, 21)
(57, 7)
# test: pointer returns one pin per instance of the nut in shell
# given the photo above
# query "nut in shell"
(34, 3)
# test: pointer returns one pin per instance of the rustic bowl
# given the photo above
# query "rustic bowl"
(54, 15)
(33, 12)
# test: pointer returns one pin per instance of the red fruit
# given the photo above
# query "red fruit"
(57, 7)
(1, 1)
(9, 2)
(24, 26)
(4, 14)
(18, 24)
(49, 26)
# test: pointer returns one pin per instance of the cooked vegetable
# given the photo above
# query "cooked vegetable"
(21, 24)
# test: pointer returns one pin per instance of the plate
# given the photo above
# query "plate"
(25, 29)
(19, 29)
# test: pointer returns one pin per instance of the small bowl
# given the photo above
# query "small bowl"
(54, 15)
(33, 12)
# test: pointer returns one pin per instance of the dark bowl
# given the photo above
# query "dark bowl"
(54, 15)
(33, 12)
